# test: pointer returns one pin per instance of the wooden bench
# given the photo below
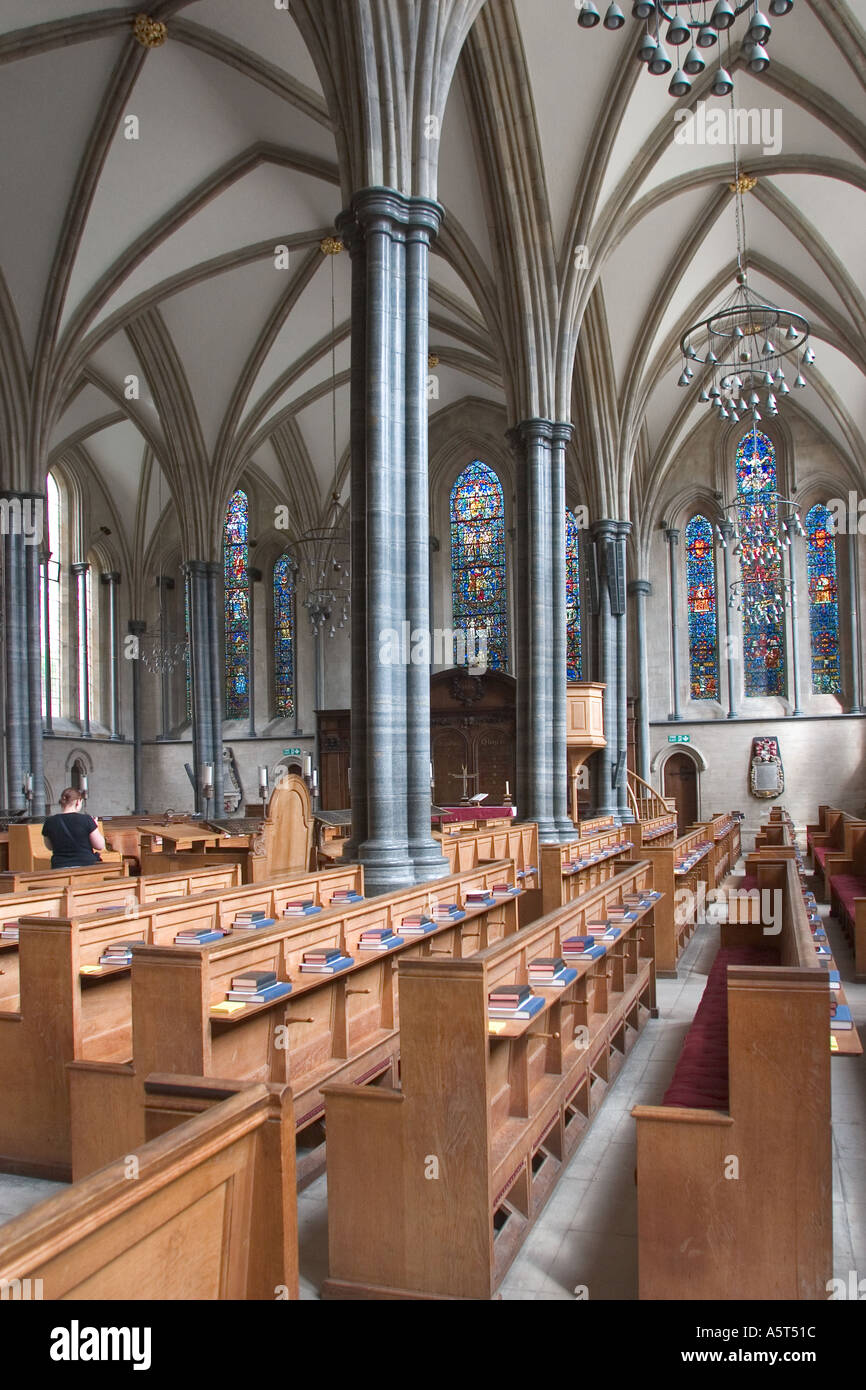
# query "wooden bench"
(571, 869)
(675, 921)
(28, 851)
(734, 1169)
(654, 830)
(830, 841)
(73, 1007)
(39, 880)
(209, 1213)
(344, 1025)
(516, 840)
(433, 1187)
(126, 896)
(723, 832)
(845, 886)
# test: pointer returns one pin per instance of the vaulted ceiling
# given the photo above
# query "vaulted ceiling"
(146, 193)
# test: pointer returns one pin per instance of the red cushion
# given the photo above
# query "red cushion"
(820, 855)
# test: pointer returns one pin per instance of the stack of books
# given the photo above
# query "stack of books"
(583, 948)
(9, 931)
(257, 987)
(550, 972)
(513, 1001)
(324, 960)
(639, 901)
(120, 952)
(824, 952)
(419, 924)
(446, 912)
(301, 907)
(504, 890)
(597, 926)
(379, 939)
(114, 907)
(479, 898)
(251, 919)
(622, 912)
(345, 895)
(198, 936)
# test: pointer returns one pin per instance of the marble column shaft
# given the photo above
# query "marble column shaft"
(640, 589)
(137, 627)
(200, 672)
(111, 579)
(21, 543)
(795, 632)
(80, 571)
(561, 435)
(727, 530)
(854, 616)
(604, 540)
(623, 531)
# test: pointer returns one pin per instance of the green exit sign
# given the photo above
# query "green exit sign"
(292, 752)
(679, 738)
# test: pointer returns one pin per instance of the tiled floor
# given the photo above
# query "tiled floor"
(586, 1236)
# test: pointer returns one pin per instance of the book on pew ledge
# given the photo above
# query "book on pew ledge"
(301, 907)
(595, 951)
(275, 990)
(824, 952)
(252, 921)
(419, 924)
(379, 939)
(645, 895)
(345, 895)
(198, 936)
(612, 933)
(550, 972)
(598, 926)
(835, 979)
(504, 890)
(840, 1018)
(479, 899)
(445, 912)
(513, 1002)
(325, 962)
(113, 907)
(9, 931)
(622, 913)
(120, 952)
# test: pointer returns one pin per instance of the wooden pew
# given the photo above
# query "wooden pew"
(654, 830)
(344, 1025)
(127, 895)
(762, 1230)
(828, 842)
(845, 880)
(570, 869)
(38, 880)
(517, 840)
(433, 1187)
(723, 831)
(674, 923)
(73, 1007)
(210, 1214)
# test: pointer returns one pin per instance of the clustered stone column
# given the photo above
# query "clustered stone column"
(795, 634)
(672, 537)
(560, 438)
(80, 570)
(136, 628)
(206, 674)
(620, 611)
(727, 531)
(854, 615)
(640, 589)
(388, 236)
(24, 515)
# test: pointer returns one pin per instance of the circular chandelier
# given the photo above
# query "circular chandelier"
(159, 655)
(319, 560)
(697, 23)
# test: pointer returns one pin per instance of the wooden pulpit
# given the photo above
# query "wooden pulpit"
(584, 731)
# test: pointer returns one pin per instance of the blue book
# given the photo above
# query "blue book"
(612, 933)
(527, 1009)
(262, 996)
(819, 934)
(578, 943)
(592, 953)
(384, 944)
(558, 981)
(256, 925)
(824, 952)
(347, 898)
(841, 1020)
(202, 940)
(328, 967)
(835, 979)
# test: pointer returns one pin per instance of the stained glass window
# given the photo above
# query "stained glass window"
(237, 593)
(703, 618)
(478, 584)
(572, 596)
(284, 636)
(823, 601)
(757, 511)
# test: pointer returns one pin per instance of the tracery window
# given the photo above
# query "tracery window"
(51, 600)
(703, 616)
(284, 636)
(763, 632)
(478, 576)
(572, 597)
(237, 606)
(823, 601)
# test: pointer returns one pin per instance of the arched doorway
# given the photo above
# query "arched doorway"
(681, 785)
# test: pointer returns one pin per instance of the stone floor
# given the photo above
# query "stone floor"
(587, 1234)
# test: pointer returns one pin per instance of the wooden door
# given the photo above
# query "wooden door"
(681, 783)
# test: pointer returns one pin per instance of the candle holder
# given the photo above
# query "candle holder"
(207, 787)
(27, 789)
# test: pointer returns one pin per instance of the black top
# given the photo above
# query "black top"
(69, 836)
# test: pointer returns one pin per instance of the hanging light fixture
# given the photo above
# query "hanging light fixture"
(696, 23)
(161, 652)
(746, 343)
(319, 558)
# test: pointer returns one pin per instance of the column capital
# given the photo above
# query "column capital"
(201, 568)
(110, 577)
(603, 530)
(639, 586)
(672, 535)
(79, 567)
(136, 626)
(623, 529)
(562, 432)
(726, 528)
(392, 211)
(532, 431)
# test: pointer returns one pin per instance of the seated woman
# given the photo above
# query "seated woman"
(72, 836)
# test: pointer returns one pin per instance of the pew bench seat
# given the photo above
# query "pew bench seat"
(700, 1079)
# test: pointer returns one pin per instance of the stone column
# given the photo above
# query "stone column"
(424, 219)
(254, 577)
(620, 609)
(604, 541)
(216, 619)
(34, 669)
(672, 537)
(727, 532)
(854, 615)
(46, 646)
(111, 579)
(561, 435)
(17, 721)
(795, 625)
(640, 589)
(533, 602)
(200, 672)
(82, 656)
(137, 627)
